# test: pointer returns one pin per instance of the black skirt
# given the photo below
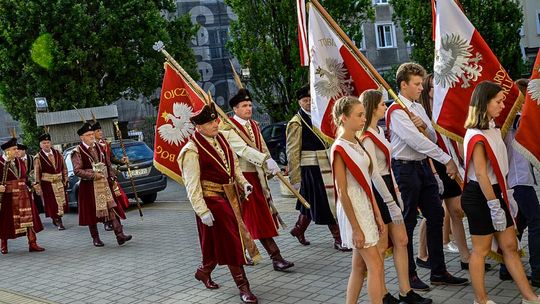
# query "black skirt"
(474, 204)
(313, 190)
(451, 187)
(385, 213)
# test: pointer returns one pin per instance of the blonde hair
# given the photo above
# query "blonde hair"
(477, 118)
(370, 99)
(343, 106)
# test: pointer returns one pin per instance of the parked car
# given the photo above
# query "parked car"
(275, 138)
(148, 180)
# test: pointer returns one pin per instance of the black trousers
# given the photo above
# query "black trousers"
(419, 189)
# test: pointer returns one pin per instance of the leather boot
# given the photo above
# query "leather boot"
(300, 227)
(203, 274)
(32, 241)
(242, 283)
(3, 246)
(279, 263)
(95, 235)
(60, 224)
(121, 238)
(334, 229)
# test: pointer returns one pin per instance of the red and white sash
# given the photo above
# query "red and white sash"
(470, 142)
(394, 106)
(344, 150)
(384, 148)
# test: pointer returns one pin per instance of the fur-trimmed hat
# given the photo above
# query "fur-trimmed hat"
(86, 127)
(22, 147)
(206, 114)
(96, 126)
(241, 95)
(303, 92)
(10, 143)
(44, 136)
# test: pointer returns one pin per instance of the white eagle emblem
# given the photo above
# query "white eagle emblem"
(454, 62)
(533, 88)
(181, 128)
(336, 83)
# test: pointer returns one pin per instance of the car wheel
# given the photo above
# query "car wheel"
(149, 198)
(282, 157)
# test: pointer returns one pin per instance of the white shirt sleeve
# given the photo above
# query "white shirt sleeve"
(403, 127)
(376, 177)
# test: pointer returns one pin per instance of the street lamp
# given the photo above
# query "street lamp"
(41, 104)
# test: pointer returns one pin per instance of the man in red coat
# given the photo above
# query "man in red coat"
(51, 180)
(18, 214)
(258, 211)
(212, 178)
(119, 195)
(96, 202)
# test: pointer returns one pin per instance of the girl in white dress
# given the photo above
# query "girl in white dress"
(358, 216)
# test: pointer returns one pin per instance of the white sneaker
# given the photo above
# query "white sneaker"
(451, 247)
(537, 301)
(488, 302)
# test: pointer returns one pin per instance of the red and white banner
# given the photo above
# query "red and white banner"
(302, 40)
(335, 71)
(526, 140)
(177, 103)
(462, 60)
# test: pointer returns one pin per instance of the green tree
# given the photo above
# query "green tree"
(264, 38)
(84, 53)
(498, 21)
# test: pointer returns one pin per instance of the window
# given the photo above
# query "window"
(379, 2)
(538, 22)
(386, 35)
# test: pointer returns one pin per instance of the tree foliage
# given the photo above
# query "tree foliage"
(498, 21)
(264, 39)
(84, 53)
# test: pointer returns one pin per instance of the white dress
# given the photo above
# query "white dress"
(361, 203)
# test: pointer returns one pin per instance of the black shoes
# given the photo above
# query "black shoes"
(465, 266)
(414, 298)
(422, 263)
(417, 284)
(389, 299)
(448, 279)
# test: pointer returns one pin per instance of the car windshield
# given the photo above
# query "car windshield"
(137, 152)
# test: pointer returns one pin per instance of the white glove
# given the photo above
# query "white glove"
(248, 188)
(208, 219)
(439, 184)
(296, 186)
(399, 199)
(395, 212)
(512, 202)
(498, 218)
(272, 166)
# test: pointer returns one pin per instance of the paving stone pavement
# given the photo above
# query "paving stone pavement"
(157, 266)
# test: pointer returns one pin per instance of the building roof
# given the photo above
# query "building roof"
(72, 116)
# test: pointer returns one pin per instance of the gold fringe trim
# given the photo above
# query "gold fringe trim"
(497, 257)
(389, 252)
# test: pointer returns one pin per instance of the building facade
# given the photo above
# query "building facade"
(530, 32)
(383, 43)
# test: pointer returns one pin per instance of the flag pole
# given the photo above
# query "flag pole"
(371, 69)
